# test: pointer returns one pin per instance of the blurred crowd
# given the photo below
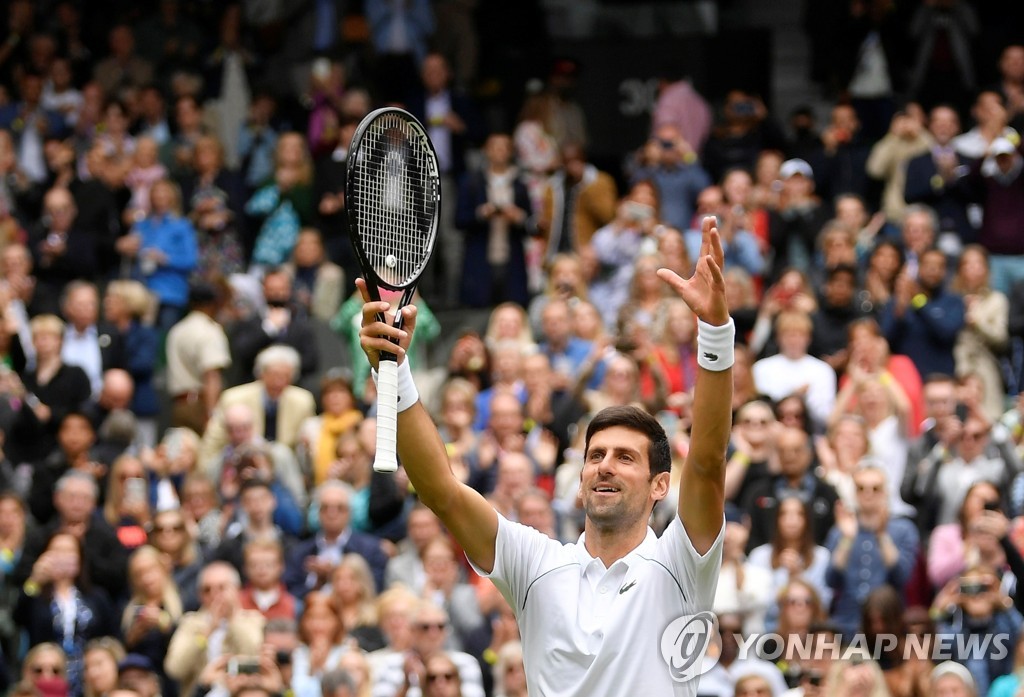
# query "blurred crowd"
(187, 503)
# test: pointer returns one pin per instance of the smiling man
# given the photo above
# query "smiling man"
(614, 608)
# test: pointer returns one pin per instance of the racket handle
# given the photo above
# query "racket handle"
(386, 459)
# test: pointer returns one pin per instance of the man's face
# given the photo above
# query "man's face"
(75, 502)
(334, 512)
(434, 73)
(1011, 65)
(82, 307)
(263, 568)
(76, 435)
(944, 124)
(217, 584)
(794, 453)
(918, 233)
(931, 272)
(939, 399)
(536, 513)
(59, 208)
(240, 429)
(422, 527)
(793, 342)
(839, 289)
(277, 288)
(616, 486)
(515, 474)
(556, 323)
(506, 415)
(258, 504)
(275, 378)
(429, 631)
(870, 491)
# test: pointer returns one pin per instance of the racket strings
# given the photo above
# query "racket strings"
(397, 200)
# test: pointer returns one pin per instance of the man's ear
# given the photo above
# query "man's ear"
(660, 485)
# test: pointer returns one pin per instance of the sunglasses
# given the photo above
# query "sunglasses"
(425, 626)
(798, 601)
(47, 670)
(180, 527)
(447, 677)
(875, 489)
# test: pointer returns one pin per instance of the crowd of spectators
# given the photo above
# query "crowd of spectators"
(187, 502)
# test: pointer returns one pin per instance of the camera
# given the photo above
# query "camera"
(244, 665)
(991, 506)
(972, 587)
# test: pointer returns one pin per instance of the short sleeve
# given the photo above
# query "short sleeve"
(215, 353)
(521, 555)
(697, 573)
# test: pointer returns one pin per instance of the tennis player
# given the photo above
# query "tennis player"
(601, 616)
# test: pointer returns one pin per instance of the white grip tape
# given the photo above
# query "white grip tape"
(716, 345)
(386, 459)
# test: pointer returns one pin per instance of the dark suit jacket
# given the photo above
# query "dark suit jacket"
(477, 276)
(249, 338)
(79, 261)
(763, 508)
(466, 109)
(366, 546)
(105, 559)
(949, 201)
(35, 615)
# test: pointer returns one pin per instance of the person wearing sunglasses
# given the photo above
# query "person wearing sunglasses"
(408, 674)
(442, 677)
(171, 536)
(869, 547)
(45, 669)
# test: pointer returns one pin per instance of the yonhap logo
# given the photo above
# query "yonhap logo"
(684, 644)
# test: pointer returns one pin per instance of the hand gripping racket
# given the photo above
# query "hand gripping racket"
(393, 200)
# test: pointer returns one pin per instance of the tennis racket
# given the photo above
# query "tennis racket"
(393, 200)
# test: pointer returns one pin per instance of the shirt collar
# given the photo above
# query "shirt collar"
(644, 549)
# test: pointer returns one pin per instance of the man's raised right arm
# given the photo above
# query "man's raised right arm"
(466, 514)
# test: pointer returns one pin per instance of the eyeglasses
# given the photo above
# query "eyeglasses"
(447, 677)
(426, 626)
(799, 601)
(174, 527)
(53, 670)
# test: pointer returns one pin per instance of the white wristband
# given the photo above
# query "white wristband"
(407, 392)
(716, 345)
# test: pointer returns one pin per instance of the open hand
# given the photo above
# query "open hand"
(704, 291)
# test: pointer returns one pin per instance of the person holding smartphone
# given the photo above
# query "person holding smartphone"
(972, 607)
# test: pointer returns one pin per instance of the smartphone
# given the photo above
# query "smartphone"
(135, 489)
(992, 506)
(244, 665)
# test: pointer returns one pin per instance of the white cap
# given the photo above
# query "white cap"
(1002, 146)
(796, 166)
(957, 669)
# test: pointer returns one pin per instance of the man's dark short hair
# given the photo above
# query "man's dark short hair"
(659, 453)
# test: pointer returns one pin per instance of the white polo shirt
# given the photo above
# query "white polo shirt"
(588, 631)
